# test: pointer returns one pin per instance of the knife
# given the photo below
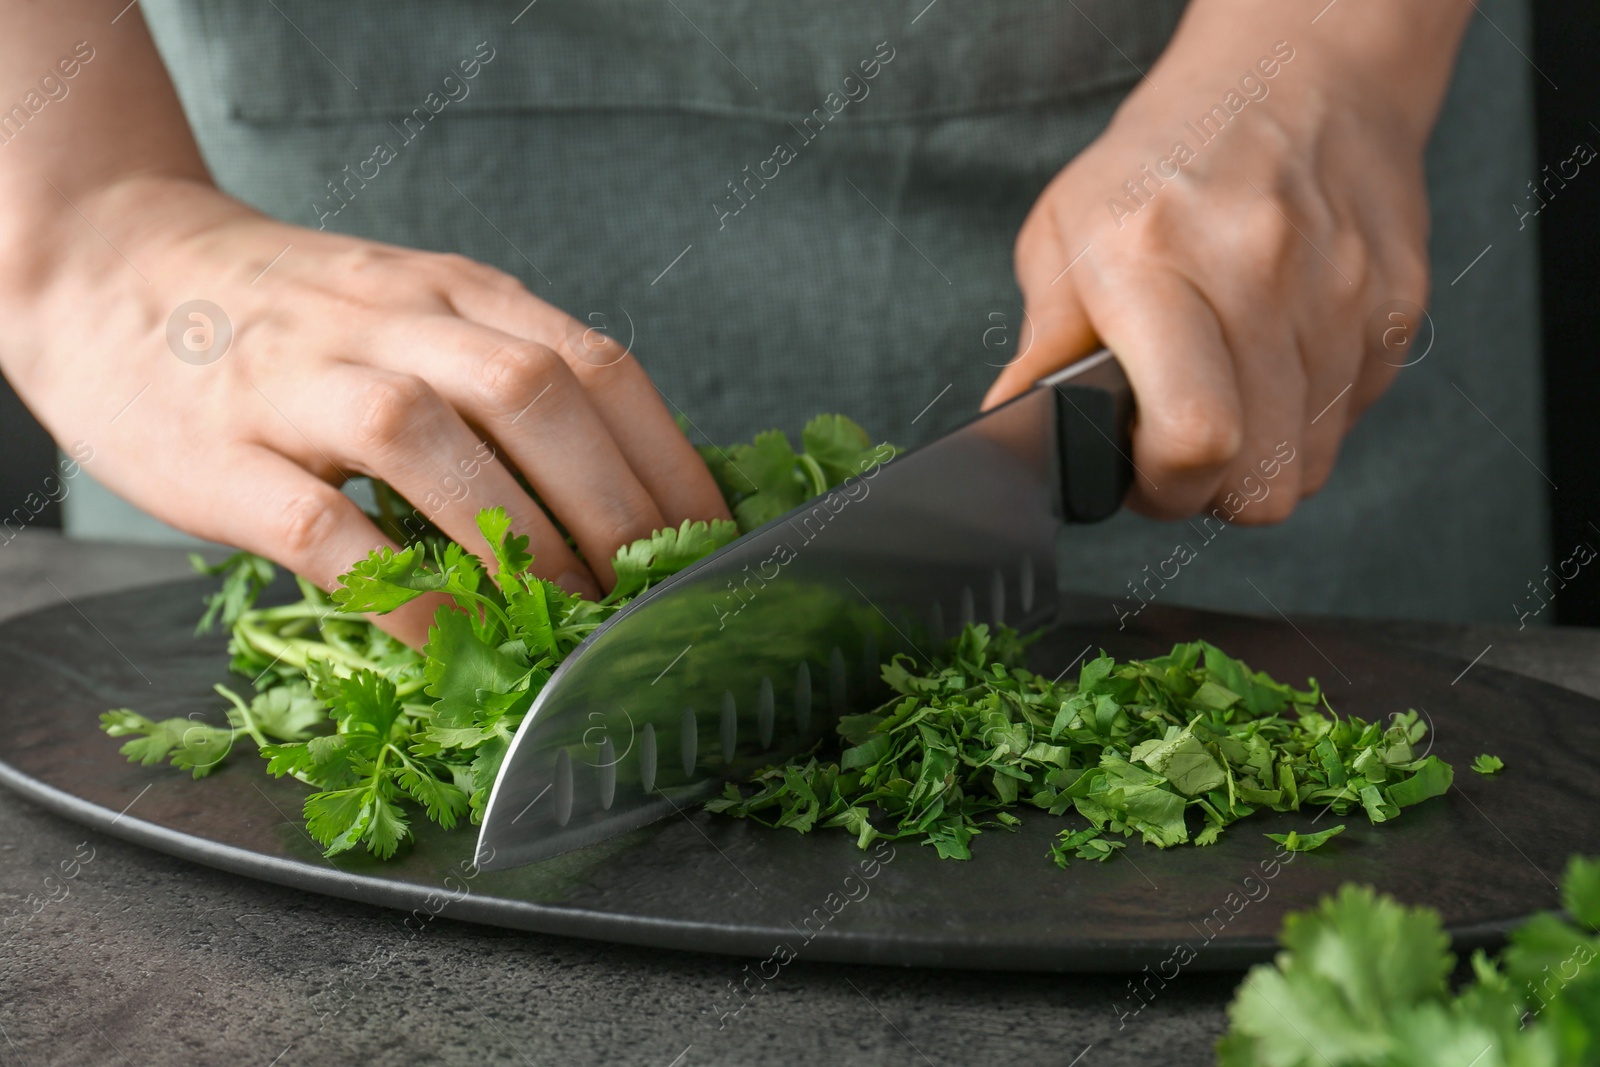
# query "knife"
(750, 655)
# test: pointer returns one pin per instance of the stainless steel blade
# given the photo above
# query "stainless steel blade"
(748, 656)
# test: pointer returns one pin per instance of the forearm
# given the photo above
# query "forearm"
(86, 111)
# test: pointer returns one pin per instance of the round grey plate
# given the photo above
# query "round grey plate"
(1486, 855)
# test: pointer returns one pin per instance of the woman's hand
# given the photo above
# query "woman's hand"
(439, 375)
(1235, 234)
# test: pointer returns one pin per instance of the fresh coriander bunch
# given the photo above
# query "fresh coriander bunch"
(381, 730)
(370, 723)
(1173, 749)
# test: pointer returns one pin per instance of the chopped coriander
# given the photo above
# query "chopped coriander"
(1085, 845)
(1172, 749)
(1298, 842)
(1488, 765)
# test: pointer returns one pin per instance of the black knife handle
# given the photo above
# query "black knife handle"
(1094, 426)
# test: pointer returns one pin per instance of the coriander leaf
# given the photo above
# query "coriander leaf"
(1580, 891)
(387, 829)
(510, 552)
(288, 712)
(485, 766)
(1350, 972)
(1488, 765)
(244, 576)
(664, 553)
(1184, 762)
(337, 816)
(765, 478)
(1362, 981)
(385, 580)
(461, 665)
(443, 801)
(188, 744)
(841, 448)
(1084, 845)
(1431, 779)
(529, 611)
(1297, 842)
(366, 705)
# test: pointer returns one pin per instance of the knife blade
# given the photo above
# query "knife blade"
(752, 654)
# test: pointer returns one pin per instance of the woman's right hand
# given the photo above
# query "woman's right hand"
(439, 375)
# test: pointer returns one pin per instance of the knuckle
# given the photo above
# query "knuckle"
(388, 408)
(510, 373)
(1273, 508)
(456, 267)
(1198, 436)
(598, 360)
(456, 263)
(1153, 235)
(1349, 265)
(625, 519)
(305, 523)
(1259, 242)
(362, 258)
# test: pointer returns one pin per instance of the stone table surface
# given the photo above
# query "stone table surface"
(154, 960)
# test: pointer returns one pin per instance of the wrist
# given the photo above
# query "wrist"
(84, 249)
(1362, 57)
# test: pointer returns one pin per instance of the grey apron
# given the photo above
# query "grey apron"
(809, 206)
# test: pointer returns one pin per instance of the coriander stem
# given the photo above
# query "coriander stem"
(298, 610)
(501, 616)
(250, 725)
(811, 470)
(295, 651)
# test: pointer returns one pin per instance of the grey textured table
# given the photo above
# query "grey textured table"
(152, 960)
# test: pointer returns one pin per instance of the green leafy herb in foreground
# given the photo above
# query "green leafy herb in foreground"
(1488, 765)
(1174, 749)
(382, 732)
(1363, 982)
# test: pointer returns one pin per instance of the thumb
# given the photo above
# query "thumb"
(1056, 330)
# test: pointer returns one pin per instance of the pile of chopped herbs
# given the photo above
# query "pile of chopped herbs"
(382, 731)
(1174, 749)
(1365, 982)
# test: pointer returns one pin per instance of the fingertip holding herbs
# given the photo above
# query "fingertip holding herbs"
(1174, 749)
